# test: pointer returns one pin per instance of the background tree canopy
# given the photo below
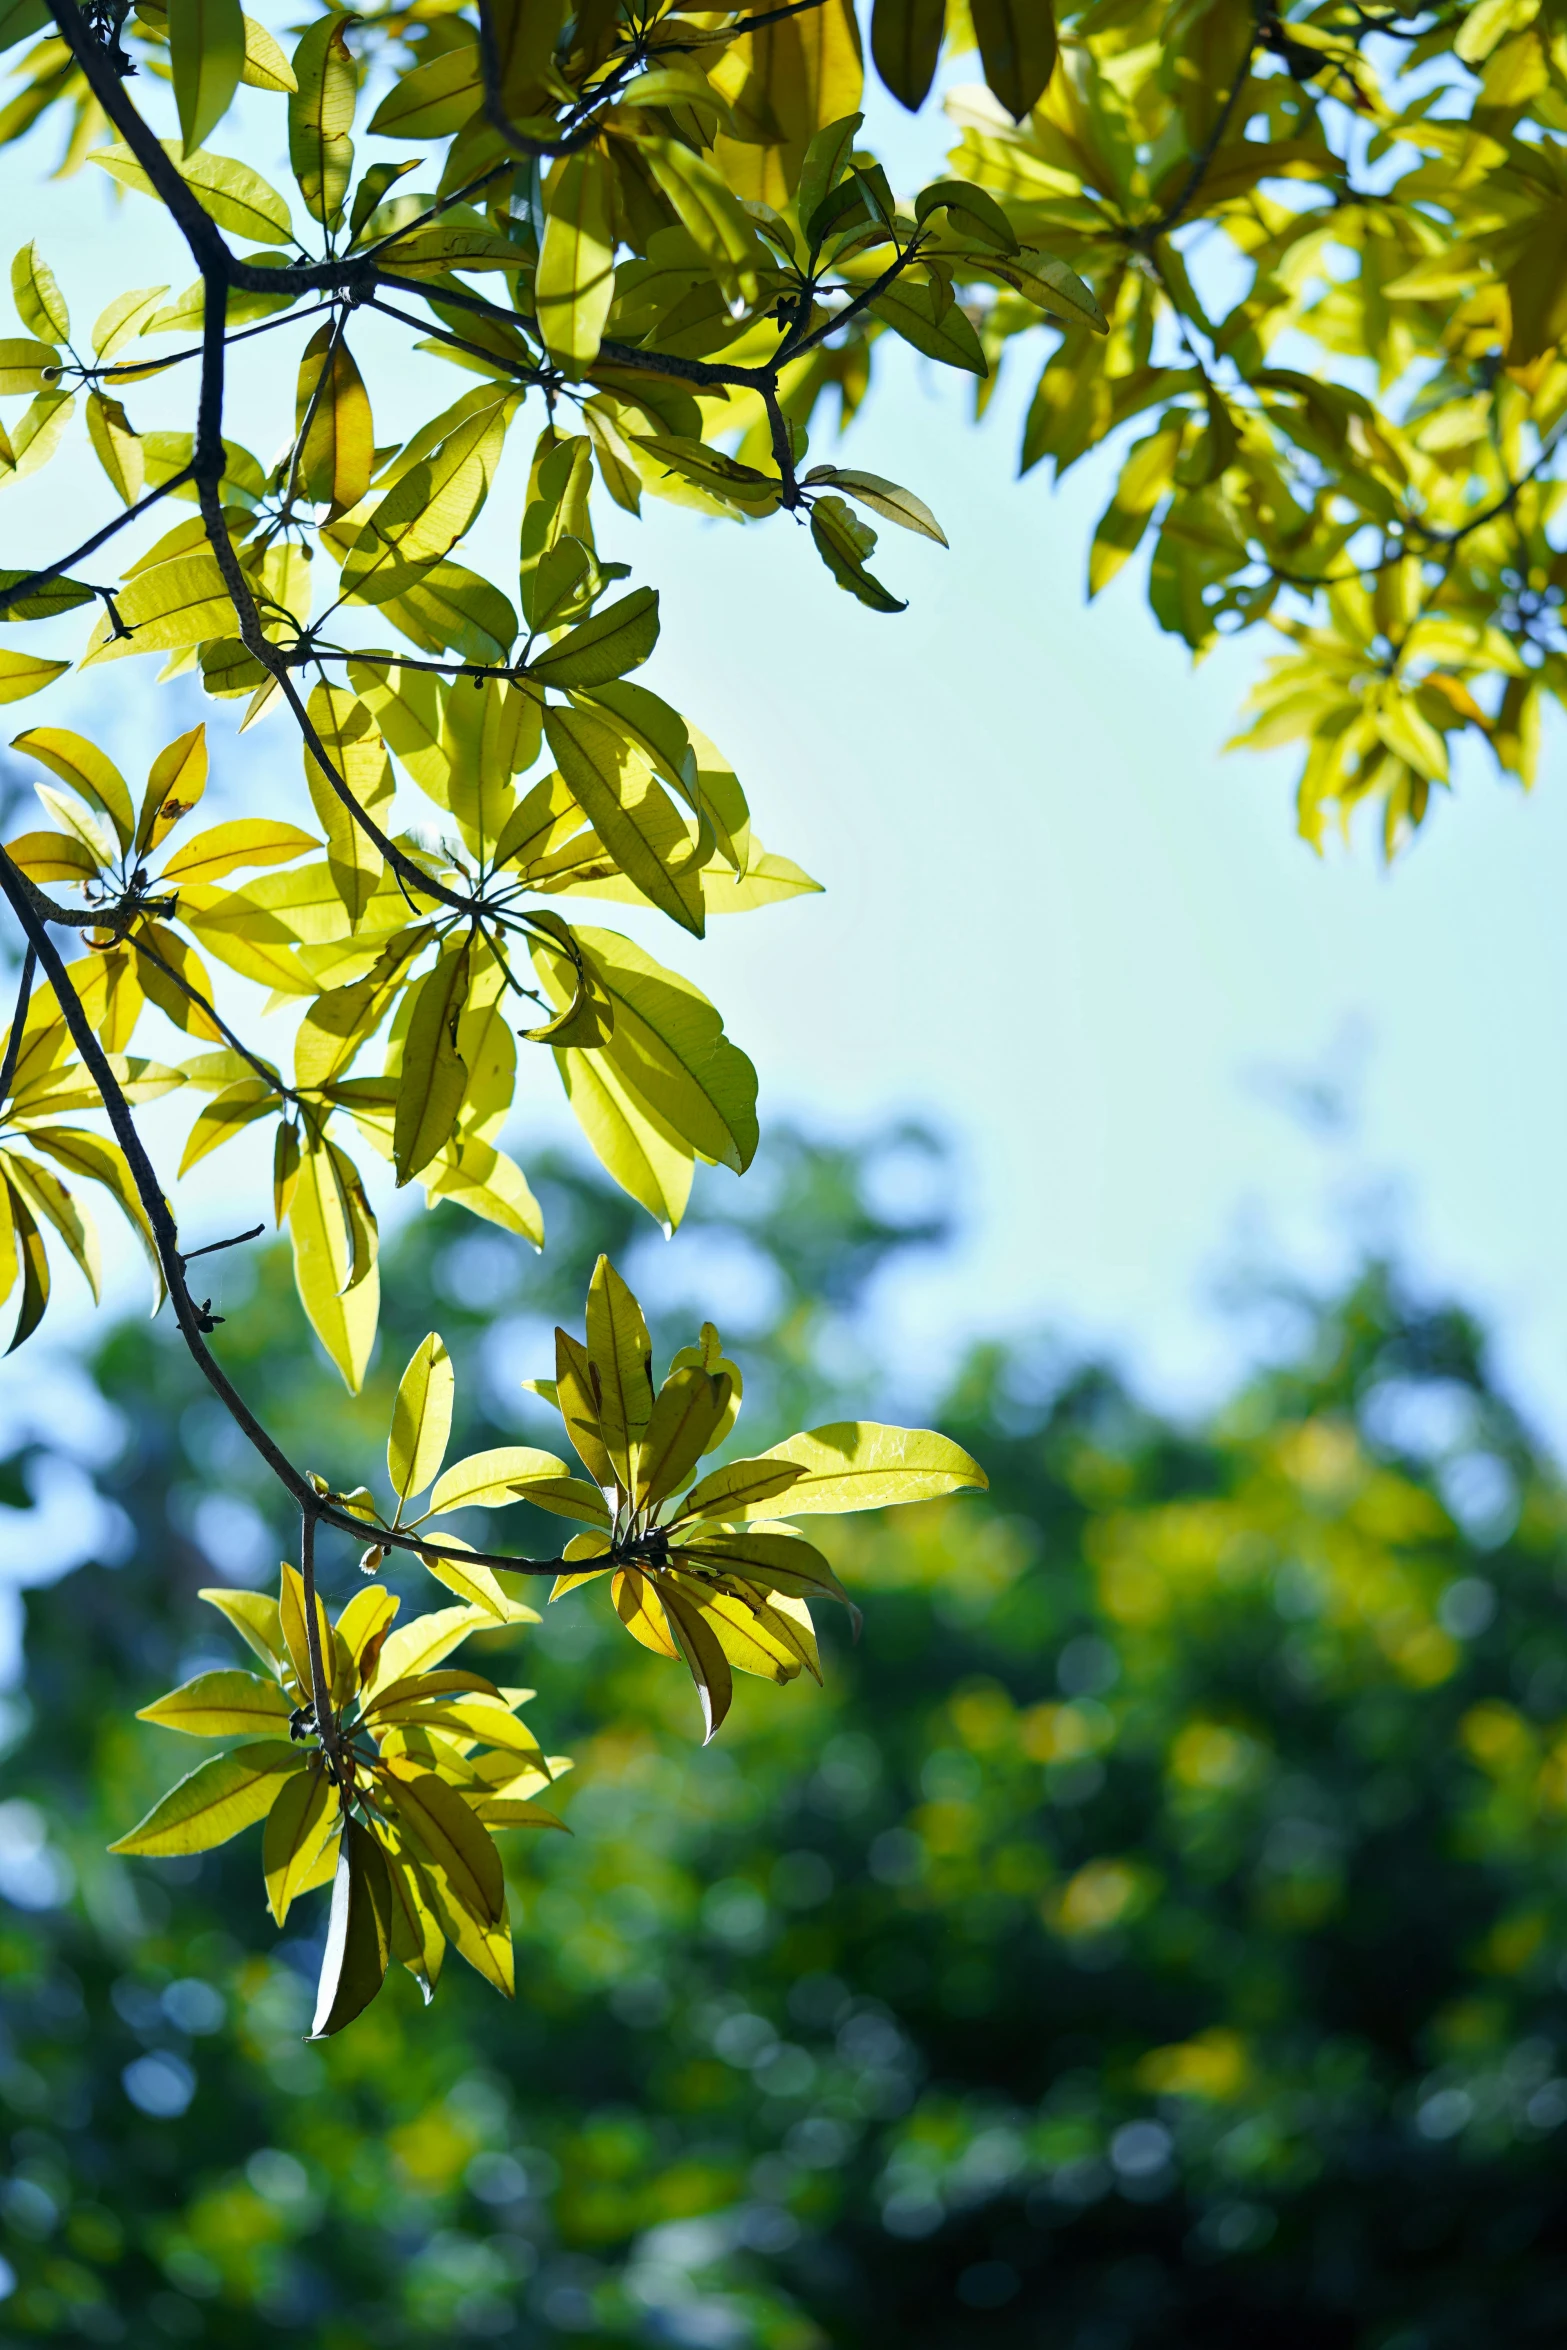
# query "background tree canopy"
(1150, 1931)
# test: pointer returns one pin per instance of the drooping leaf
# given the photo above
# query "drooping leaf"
(300, 1824)
(359, 1933)
(207, 52)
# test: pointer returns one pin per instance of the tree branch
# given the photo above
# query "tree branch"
(13, 1047)
(165, 1237)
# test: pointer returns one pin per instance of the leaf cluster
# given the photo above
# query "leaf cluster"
(396, 1767)
(1327, 243)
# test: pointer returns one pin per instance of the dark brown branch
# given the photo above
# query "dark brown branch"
(13, 1047)
(1203, 159)
(135, 368)
(320, 1681)
(458, 342)
(210, 1248)
(522, 142)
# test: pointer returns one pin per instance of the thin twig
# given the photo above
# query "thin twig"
(34, 580)
(210, 1248)
(264, 1069)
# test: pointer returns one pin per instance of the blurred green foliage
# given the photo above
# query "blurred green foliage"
(1150, 1936)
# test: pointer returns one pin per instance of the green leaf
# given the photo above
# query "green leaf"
(40, 305)
(421, 1645)
(493, 1480)
(1052, 287)
(334, 1235)
(433, 1077)
(222, 1705)
(432, 500)
(627, 806)
(22, 674)
(216, 1800)
(27, 366)
(906, 45)
(668, 1045)
(337, 457)
(358, 1935)
(883, 497)
(299, 1826)
(843, 543)
(691, 1406)
(417, 1940)
(778, 1561)
(977, 212)
(45, 602)
(620, 1354)
(352, 742)
(207, 52)
(254, 1617)
(707, 1663)
(602, 648)
(233, 195)
(34, 1267)
(447, 1836)
(320, 118)
(85, 769)
(421, 1419)
(848, 1465)
(124, 319)
(574, 286)
(166, 608)
(19, 19)
(1017, 47)
(224, 848)
(433, 100)
(910, 310)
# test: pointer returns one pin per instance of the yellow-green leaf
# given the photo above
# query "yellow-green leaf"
(300, 1824)
(86, 769)
(248, 840)
(621, 1355)
(216, 1800)
(575, 283)
(254, 1617)
(492, 1480)
(40, 305)
(320, 118)
(421, 1419)
(690, 1407)
(337, 456)
(22, 674)
(207, 52)
(222, 1705)
(449, 1839)
(848, 1465)
(433, 1077)
(236, 197)
(633, 815)
(333, 1234)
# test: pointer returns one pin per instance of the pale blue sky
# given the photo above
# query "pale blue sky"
(1057, 921)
